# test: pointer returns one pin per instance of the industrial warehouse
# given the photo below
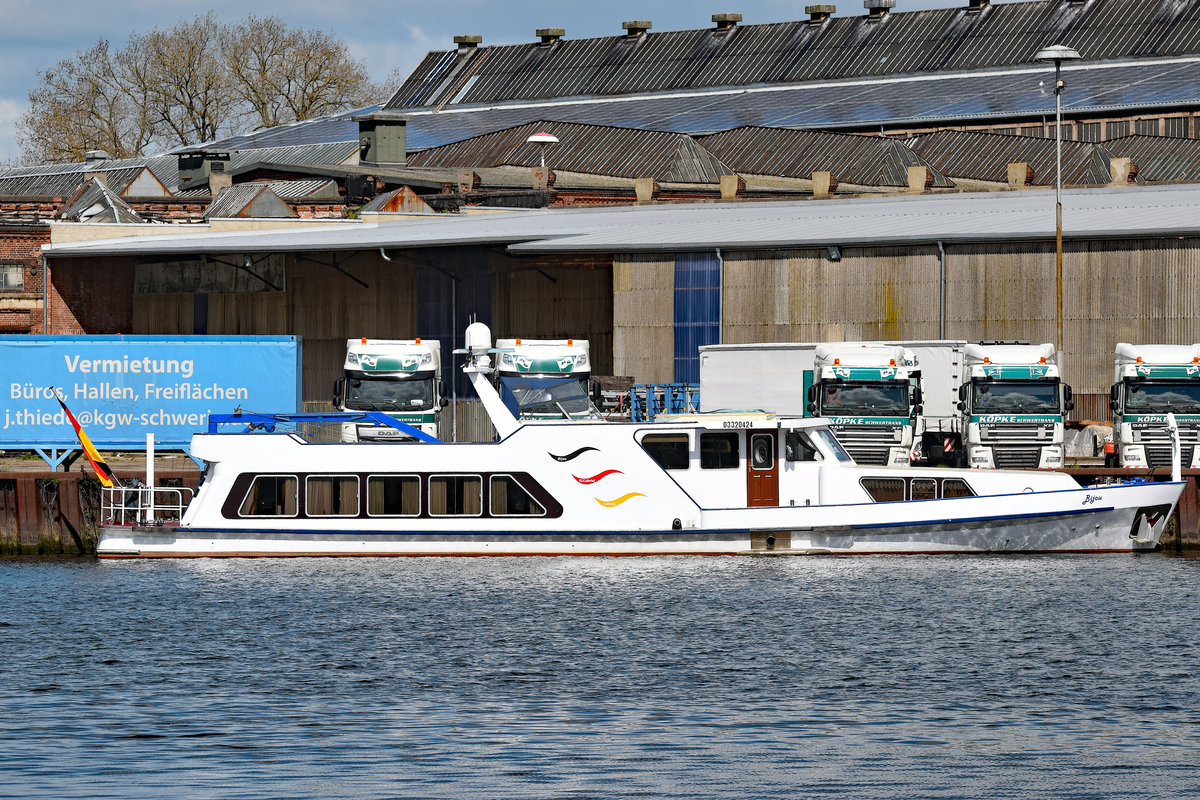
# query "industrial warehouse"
(883, 176)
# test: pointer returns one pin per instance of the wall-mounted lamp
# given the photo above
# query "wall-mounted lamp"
(835, 253)
(248, 263)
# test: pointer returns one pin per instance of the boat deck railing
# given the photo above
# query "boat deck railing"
(143, 505)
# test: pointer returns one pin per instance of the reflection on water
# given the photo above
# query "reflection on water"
(557, 677)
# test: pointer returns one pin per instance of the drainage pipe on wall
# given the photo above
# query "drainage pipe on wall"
(45, 298)
(720, 297)
(941, 290)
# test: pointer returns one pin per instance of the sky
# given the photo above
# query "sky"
(384, 35)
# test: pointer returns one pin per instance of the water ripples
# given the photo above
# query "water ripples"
(556, 677)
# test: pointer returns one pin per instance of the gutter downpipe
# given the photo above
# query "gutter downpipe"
(941, 290)
(453, 338)
(45, 297)
(720, 296)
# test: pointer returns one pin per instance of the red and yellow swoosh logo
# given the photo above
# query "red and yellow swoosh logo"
(619, 500)
(598, 476)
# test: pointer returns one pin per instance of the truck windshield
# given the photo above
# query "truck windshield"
(554, 398)
(1015, 397)
(867, 398)
(1162, 397)
(376, 394)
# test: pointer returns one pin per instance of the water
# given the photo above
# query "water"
(553, 677)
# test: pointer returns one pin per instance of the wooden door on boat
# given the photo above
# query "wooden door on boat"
(762, 469)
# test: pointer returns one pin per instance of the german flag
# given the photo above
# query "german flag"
(93, 455)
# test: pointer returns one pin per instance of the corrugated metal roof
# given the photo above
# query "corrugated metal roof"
(790, 52)
(299, 190)
(62, 180)
(986, 156)
(595, 149)
(327, 154)
(319, 130)
(862, 160)
(1014, 93)
(236, 201)
(984, 216)
(1159, 158)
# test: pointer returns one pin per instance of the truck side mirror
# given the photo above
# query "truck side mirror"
(812, 395)
(1068, 406)
(338, 386)
(918, 409)
(1112, 393)
(917, 396)
(441, 388)
(962, 406)
(1112, 405)
(962, 392)
(443, 402)
(1067, 393)
(812, 408)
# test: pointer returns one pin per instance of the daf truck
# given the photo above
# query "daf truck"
(869, 395)
(1014, 405)
(1151, 381)
(399, 377)
(545, 379)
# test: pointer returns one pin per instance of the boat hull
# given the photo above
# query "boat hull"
(1132, 519)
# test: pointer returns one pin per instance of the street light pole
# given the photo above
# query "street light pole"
(1058, 53)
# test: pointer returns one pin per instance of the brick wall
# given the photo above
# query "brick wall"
(21, 243)
(92, 295)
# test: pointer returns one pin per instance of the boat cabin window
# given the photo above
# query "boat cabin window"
(924, 489)
(455, 495)
(270, 496)
(670, 450)
(762, 451)
(393, 496)
(956, 487)
(719, 450)
(827, 441)
(884, 490)
(509, 498)
(331, 496)
(798, 447)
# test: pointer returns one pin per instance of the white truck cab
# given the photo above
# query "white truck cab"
(1151, 381)
(398, 377)
(545, 379)
(1014, 404)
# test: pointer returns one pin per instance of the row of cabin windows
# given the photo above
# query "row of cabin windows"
(388, 496)
(718, 450)
(890, 490)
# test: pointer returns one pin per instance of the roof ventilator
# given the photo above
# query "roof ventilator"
(726, 22)
(636, 27)
(550, 35)
(467, 42)
(878, 9)
(818, 14)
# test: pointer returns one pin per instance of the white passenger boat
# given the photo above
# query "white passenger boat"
(705, 484)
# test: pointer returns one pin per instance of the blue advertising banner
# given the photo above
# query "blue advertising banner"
(121, 388)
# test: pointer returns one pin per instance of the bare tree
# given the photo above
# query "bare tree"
(197, 81)
(83, 103)
(287, 74)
